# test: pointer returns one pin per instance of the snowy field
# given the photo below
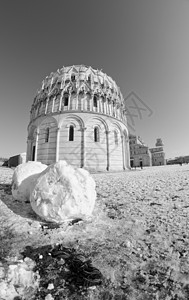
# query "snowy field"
(138, 237)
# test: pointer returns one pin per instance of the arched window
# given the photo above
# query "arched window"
(95, 101)
(47, 135)
(96, 134)
(66, 99)
(71, 133)
(72, 77)
(115, 137)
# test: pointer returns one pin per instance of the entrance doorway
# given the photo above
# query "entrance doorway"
(33, 153)
(132, 163)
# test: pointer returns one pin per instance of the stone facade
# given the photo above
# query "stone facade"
(79, 116)
(139, 152)
(158, 154)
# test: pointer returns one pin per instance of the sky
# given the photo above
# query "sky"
(142, 44)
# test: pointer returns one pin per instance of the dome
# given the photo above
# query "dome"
(78, 115)
(77, 80)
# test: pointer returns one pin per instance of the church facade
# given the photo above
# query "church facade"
(143, 156)
(78, 115)
(140, 155)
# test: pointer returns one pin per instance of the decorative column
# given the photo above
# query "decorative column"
(111, 108)
(123, 151)
(60, 103)
(108, 150)
(121, 113)
(116, 115)
(57, 143)
(47, 101)
(91, 106)
(115, 111)
(69, 100)
(101, 105)
(36, 143)
(108, 106)
(98, 105)
(77, 99)
(82, 103)
(85, 100)
(53, 104)
(88, 101)
(105, 105)
(83, 156)
(118, 111)
(127, 152)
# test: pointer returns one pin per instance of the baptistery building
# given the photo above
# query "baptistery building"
(79, 115)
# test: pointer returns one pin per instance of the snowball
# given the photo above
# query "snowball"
(63, 193)
(19, 279)
(23, 177)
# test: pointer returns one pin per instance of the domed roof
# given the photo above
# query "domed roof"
(79, 78)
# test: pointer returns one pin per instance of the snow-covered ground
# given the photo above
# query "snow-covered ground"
(138, 236)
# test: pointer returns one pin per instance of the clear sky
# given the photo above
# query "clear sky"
(142, 44)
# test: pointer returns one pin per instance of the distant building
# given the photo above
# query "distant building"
(143, 156)
(158, 154)
(178, 160)
(16, 160)
(139, 152)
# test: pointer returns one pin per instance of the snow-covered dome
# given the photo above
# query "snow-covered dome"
(76, 80)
